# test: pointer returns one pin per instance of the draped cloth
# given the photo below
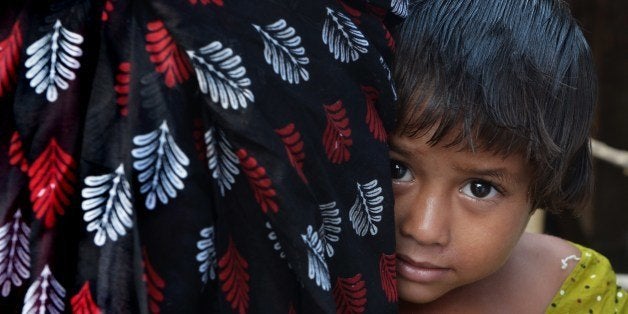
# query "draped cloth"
(188, 156)
(591, 286)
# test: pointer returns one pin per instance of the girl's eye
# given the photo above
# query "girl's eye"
(400, 172)
(479, 189)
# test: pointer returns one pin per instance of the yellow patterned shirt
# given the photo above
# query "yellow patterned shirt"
(590, 288)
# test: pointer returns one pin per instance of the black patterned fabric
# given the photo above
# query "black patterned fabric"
(196, 156)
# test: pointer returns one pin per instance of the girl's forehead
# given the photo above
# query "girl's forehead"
(421, 144)
(453, 138)
(463, 131)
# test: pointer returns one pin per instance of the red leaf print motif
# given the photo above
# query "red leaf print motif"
(337, 136)
(83, 303)
(154, 284)
(291, 139)
(9, 58)
(388, 274)
(107, 10)
(51, 179)
(350, 295)
(16, 153)
(390, 40)
(260, 182)
(123, 80)
(234, 278)
(355, 13)
(372, 117)
(206, 2)
(165, 54)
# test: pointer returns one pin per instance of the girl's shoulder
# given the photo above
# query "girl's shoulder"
(573, 278)
(549, 251)
(539, 265)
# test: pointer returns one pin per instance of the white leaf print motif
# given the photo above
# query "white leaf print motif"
(221, 159)
(317, 267)
(330, 229)
(207, 255)
(342, 37)
(367, 208)
(220, 74)
(282, 51)
(45, 295)
(273, 237)
(15, 257)
(52, 61)
(389, 77)
(107, 205)
(161, 165)
(400, 7)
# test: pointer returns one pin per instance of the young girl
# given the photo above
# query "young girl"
(497, 99)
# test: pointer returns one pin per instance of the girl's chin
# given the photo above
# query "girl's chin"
(415, 294)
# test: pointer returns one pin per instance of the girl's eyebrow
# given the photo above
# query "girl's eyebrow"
(398, 149)
(500, 174)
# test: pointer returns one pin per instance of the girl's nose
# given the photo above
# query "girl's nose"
(426, 218)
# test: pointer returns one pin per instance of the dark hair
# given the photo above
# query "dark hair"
(507, 76)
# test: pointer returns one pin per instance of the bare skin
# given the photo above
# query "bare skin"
(525, 284)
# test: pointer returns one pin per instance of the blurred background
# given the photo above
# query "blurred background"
(604, 226)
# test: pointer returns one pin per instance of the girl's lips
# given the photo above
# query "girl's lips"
(421, 272)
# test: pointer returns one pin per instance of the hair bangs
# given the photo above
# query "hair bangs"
(456, 118)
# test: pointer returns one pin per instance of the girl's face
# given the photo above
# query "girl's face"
(458, 214)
